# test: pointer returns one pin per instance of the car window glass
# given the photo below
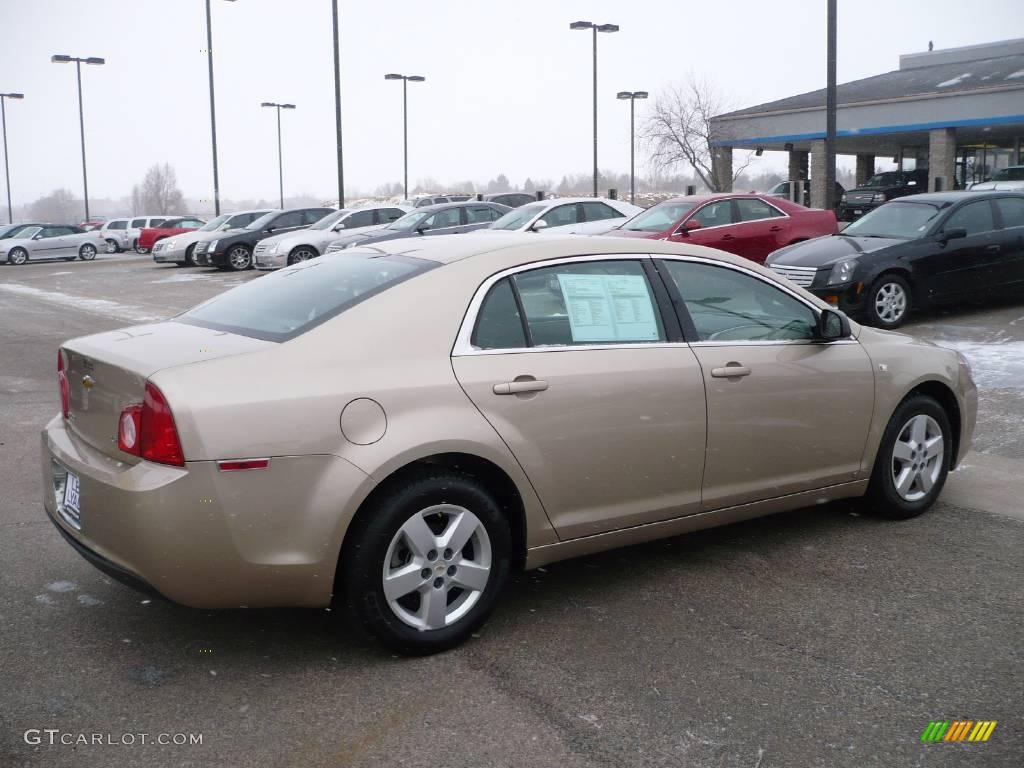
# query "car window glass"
(727, 305)
(595, 302)
(658, 217)
(714, 214)
(137, 223)
(388, 215)
(499, 325)
(974, 217)
(68, 230)
(156, 222)
(290, 219)
(599, 211)
(118, 225)
(358, 219)
(1012, 211)
(49, 232)
(313, 215)
(561, 215)
(479, 214)
(752, 209)
(446, 218)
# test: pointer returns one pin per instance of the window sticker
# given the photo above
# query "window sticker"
(609, 308)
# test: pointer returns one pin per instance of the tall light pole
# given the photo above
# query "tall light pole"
(213, 110)
(7, 168)
(830, 109)
(337, 105)
(406, 79)
(632, 96)
(63, 59)
(280, 163)
(596, 28)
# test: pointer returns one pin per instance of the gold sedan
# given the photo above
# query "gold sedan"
(399, 428)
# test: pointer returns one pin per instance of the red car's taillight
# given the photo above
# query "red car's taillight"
(147, 430)
(65, 389)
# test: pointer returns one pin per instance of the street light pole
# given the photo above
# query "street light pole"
(64, 59)
(7, 168)
(405, 125)
(280, 162)
(213, 110)
(830, 109)
(337, 105)
(632, 96)
(596, 28)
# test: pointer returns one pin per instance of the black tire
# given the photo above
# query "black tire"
(882, 498)
(368, 543)
(112, 246)
(87, 252)
(17, 256)
(190, 256)
(882, 302)
(238, 250)
(302, 253)
(139, 249)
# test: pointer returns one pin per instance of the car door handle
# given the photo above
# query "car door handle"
(730, 371)
(774, 229)
(728, 237)
(992, 249)
(518, 387)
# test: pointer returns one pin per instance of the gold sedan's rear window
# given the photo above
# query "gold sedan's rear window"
(285, 304)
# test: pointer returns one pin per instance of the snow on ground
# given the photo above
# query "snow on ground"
(995, 366)
(94, 306)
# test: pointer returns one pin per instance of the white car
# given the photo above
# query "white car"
(287, 248)
(568, 215)
(139, 223)
(179, 249)
(1006, 180)
(52, 241)
(115, 232)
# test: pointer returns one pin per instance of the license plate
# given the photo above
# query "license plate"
(857, 211)
(71, 497)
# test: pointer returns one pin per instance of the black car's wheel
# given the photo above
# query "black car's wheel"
(888, 302)
(87, 252)
(190, 256)
(913, 460)
(302, 253)
(426, 563)
(239, 257)
(17, 256)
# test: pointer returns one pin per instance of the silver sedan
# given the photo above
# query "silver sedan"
(52, 241)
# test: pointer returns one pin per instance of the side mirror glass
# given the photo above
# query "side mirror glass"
(952, 234)
(538, 225)
(832, 325)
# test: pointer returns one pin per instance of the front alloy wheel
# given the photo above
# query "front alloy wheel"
(888, 302)
(302, 253)
(18, 256)
(239, 258)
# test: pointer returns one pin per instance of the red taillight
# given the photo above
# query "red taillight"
(65, 389)
(148, 430)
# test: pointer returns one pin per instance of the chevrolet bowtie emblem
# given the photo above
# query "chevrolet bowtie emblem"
(88, 382)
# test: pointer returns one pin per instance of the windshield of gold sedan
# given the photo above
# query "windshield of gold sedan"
(288, 303)
(659, 218)
(904, 220)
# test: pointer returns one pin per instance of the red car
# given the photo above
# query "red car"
(751, 226)
(150, 235)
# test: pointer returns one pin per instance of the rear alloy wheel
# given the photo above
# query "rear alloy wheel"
(888, 302)
(913, 459)
(190, 256)
(239, 258)
(87, 252)
(140, 249)
(17, 256)
(427, 563)
(112, 246)
(302, 253)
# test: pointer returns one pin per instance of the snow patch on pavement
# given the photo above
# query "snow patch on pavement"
(995, 366)
(94, 306)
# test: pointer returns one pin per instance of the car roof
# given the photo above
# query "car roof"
(457, 204)
(520, 247)
(958, 195)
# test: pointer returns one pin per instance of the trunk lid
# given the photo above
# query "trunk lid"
(108, 371)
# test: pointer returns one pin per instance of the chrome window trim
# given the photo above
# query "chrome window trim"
(463, 345)
(694, 212)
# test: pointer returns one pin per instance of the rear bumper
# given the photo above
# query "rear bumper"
(205, 538)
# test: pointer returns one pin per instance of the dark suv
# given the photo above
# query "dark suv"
(233, 249)
(881, 188)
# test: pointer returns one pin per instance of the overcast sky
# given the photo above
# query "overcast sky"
(508, 84)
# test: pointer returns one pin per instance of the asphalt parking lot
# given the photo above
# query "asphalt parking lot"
(816, 638)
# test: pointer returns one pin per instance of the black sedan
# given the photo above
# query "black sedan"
(233, 249)
(914, 253)
(444, 219)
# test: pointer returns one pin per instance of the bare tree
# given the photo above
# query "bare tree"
(679, 131)
(158, 192)
(59, 207)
